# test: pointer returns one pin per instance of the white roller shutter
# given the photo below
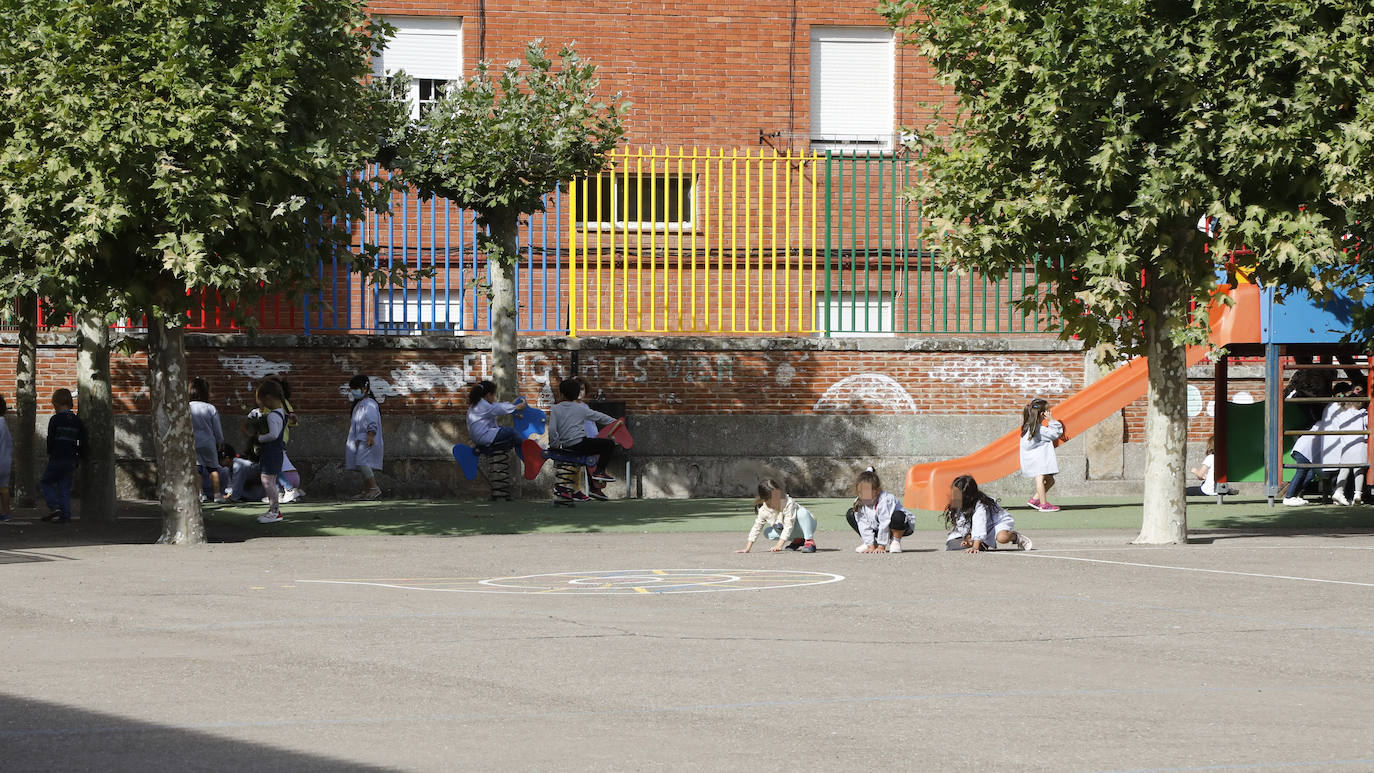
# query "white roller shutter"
(852, 86)
(424, 46)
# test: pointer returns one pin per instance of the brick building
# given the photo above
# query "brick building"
(881, 356)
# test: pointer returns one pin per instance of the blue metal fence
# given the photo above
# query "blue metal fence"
(448, 288)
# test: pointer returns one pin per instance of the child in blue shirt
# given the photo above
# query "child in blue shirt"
(66, 446)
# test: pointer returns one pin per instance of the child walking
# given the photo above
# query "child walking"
(66, 446)
(1039, 430)
(6, 462)
(775, 516)
(977, 522)
(877, 516)
(363, 451)
(272, 445)
(209, 436)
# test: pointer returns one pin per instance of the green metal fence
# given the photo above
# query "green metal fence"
(883, 274)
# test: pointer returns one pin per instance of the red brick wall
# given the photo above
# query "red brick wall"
(707, 380)
(699, 72)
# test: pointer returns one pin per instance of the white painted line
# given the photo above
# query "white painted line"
(1204, 571)
(703, 580)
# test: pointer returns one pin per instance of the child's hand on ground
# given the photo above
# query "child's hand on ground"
(742, 550)
(776, 548)
(976, 547)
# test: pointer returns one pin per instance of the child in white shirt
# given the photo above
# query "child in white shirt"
(1039, 430)
(977, 522)
(775, 516)
(877, 516)
(1207, 472)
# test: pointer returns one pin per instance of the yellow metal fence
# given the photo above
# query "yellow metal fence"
(698, 241)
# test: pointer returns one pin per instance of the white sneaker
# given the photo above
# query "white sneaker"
(287, 497)
(860, 548)
(895, 546)
(1294, 501)
(1339, 498)
(269, 517)
(1022, 541)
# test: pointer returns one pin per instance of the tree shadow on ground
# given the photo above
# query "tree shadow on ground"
(39, 735)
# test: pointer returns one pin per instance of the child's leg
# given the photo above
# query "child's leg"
(1049, 484)
(64, 492)
(269, 485)
(897, 526)
(807, 522)
(1041, 490)
(48, 486)
(216, 491)
(853, 523)
(369, 478)
(1004, 536)
(290, 480)
(5, 500)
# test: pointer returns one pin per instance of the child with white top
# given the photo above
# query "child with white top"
(568, 432)
(977, 522)
(1351, 449)
(364, 450)
(483, 413)
(6, 462)
(1207, 472)
(1039, 430)
(877, 516)
(775, 516)
(208, 434)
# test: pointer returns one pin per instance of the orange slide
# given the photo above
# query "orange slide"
(927, 485)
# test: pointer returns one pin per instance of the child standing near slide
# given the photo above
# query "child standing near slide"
(775, 515)
(877, 516)
(977, 522)
(1039, 430)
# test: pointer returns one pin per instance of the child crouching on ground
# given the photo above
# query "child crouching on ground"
(976, 521)
(877, 516)
(775, 515)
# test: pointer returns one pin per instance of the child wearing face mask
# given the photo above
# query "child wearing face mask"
(363, 451)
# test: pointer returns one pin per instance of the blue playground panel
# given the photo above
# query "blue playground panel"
(1301, 319)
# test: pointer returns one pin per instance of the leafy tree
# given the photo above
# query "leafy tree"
(153, 147)
(496, 144)
(1092, 135)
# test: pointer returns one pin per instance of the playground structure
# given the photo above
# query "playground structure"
(1254, 323)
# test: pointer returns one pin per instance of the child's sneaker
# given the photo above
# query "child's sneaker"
(1048, 508)
(52, 517)
(861, 548)
(1022, 541)
(1288, 501)
(578, 496)
(895, 546)
(562, 492)
(603, 477)
(808, 547)
(1340, 499)
(796, 544)
(1033, 502)
(597, 494)
(270, 516)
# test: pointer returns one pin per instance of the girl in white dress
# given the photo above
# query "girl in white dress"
(977, 522)
(1039, 430)
(363, 451)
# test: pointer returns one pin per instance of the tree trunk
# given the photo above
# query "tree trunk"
(503, 254)
(25, 477)
(95, 402)
(178, 487)
(1165, 519)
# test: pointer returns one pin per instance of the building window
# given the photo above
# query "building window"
(857, 315)
(661, 201)
(851, 88)
(427, 48)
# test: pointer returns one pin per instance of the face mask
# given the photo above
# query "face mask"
(355, 394)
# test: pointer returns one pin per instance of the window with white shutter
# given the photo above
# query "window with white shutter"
(429, 49)
(851, 88)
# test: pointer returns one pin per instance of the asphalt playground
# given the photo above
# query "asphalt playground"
(627, 646)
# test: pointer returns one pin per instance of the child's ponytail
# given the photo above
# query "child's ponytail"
(480, 391)
(1031, 416)
(766, 488)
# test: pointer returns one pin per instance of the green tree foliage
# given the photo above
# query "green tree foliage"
(153, 147)
(1092, 135)
(497, 143)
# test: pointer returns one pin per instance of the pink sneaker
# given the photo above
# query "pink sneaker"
(1049, 508)
(1033, 502)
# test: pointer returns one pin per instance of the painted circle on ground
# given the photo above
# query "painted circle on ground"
(613, 582)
